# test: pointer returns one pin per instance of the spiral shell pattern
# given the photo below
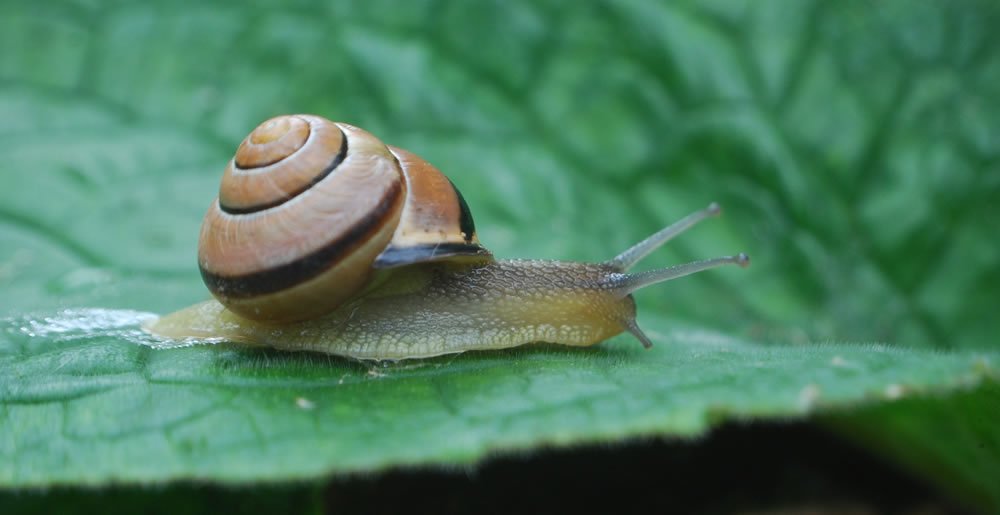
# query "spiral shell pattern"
(307, 206)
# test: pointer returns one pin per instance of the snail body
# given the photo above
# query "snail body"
(384, 263)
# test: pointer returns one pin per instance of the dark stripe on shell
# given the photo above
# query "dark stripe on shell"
(307, 267)
(465, 222)
(398, 256)
(339, 158)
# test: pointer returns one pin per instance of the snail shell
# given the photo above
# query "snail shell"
(309, 209)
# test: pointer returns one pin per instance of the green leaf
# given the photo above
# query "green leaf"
(854, 146)
(952, 440)
(84, 402)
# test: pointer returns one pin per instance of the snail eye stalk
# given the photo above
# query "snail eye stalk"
(628, 283)
(635, 253)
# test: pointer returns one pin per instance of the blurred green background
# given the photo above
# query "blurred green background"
(855, 147)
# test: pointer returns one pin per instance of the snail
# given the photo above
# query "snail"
(325, 239)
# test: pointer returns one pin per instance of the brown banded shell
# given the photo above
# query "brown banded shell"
(308, 207)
